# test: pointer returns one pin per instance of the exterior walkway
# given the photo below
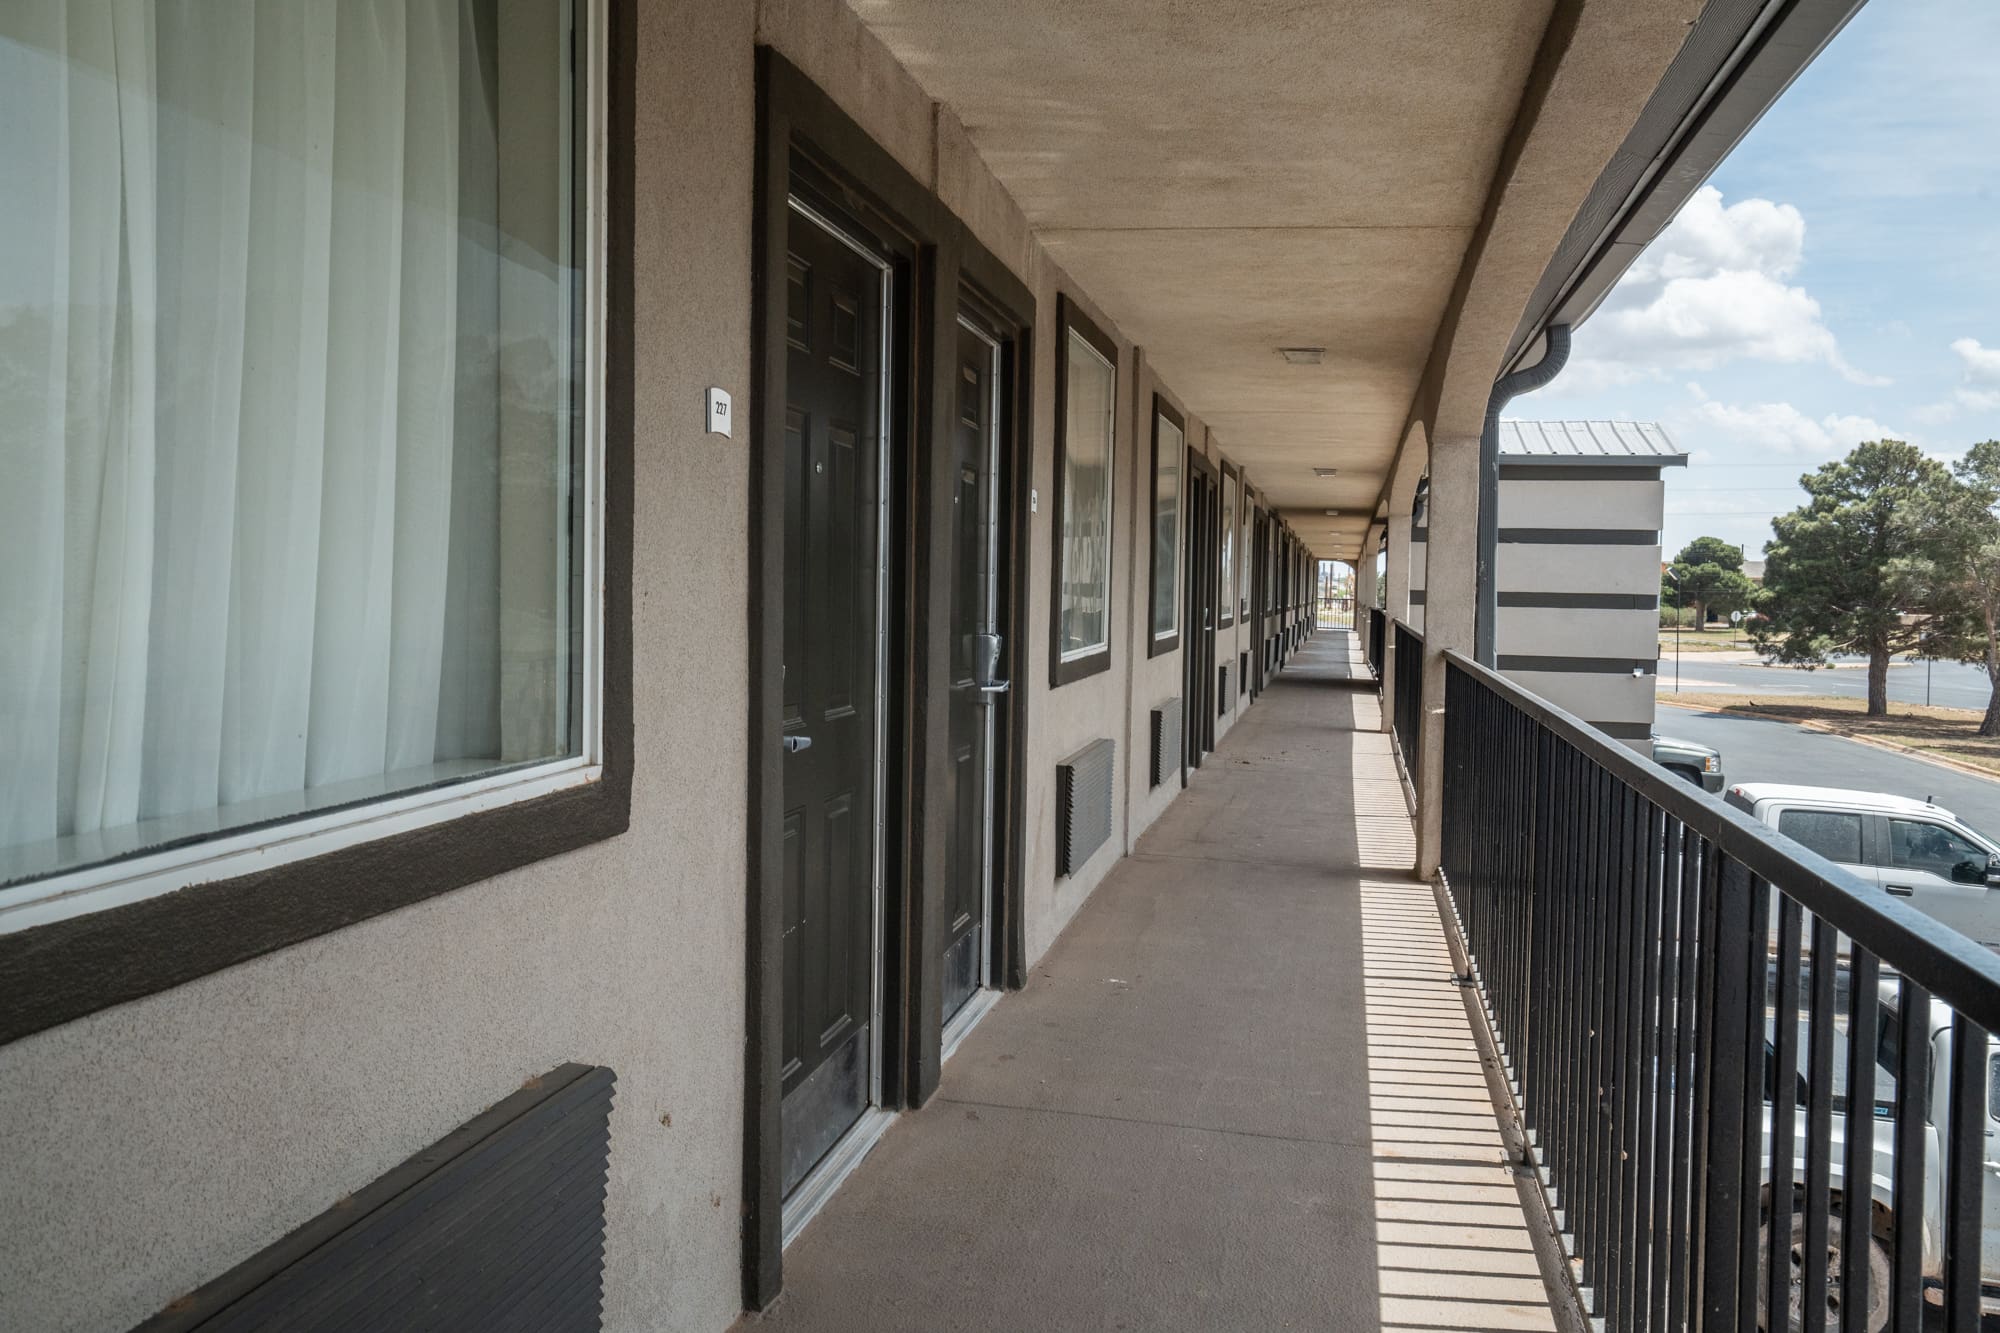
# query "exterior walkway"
(1241, 1091)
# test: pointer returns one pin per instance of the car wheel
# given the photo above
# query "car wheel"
(1878, 1275)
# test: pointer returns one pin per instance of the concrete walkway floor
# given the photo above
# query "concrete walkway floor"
(1240, 1092)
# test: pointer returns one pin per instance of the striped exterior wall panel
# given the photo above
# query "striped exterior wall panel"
(1582, 504)
(1577, 632)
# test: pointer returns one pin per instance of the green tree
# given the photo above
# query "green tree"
(1850, 571)
(1708, 576)
(1961, 561)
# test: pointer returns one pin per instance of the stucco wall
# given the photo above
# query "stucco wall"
(151, 1147)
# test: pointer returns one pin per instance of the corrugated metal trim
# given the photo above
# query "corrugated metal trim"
(1083, 804)
(1166, 741)
(1604, 469)
(1587, 441)
(500, 1224)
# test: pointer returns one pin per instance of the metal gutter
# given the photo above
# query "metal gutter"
(1505, 389)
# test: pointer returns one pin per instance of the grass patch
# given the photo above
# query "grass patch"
(1704, 641)
(1949, 733)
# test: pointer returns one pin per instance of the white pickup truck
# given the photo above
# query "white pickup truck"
(1910, 849)
(1882, 1110)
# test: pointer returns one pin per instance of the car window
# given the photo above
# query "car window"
(1993, 1087)
(1917, 844)
(1887, 1050)
(1832, 833)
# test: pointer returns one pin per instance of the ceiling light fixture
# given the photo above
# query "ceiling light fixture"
(1303, 356)
(1326, 472)
(1333, 513)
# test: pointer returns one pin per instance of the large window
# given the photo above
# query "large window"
(1169, 458)
(298, 497)
(1086, 398)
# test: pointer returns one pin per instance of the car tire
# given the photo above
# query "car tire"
(1878, 1274)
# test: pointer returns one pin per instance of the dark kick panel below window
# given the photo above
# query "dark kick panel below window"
(500, 1224)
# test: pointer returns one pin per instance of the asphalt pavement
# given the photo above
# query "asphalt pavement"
(1952, 684)
(1759, 750)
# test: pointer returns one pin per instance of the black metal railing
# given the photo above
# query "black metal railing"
(1378, 627)
(1332, 612)
(1656, 964)
(1407, 720)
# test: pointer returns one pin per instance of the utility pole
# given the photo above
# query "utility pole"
(1680, 605)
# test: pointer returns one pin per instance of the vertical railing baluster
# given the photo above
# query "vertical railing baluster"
(1965, 1171)
(1727, 1088)
(1783, 1100)
(1913, 1069)
(1819, 1121)
(1857, 1229)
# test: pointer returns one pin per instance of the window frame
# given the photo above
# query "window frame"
(1158, 642)
(1065, 668)
(1229, 495)
(78, 941)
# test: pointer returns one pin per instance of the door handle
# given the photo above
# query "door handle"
(793, 744)
(996, 687)
(1902, 890)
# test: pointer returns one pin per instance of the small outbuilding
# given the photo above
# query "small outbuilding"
(1578, 565)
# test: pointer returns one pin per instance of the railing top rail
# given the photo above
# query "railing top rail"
(1948, 964)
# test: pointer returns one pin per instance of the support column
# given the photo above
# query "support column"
(1395, 604)
(1364, 588)
(1451, 598)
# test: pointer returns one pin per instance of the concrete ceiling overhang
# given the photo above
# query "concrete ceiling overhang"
(1402, 185)
(1226, 179)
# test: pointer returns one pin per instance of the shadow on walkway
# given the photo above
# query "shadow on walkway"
(1240, 1091)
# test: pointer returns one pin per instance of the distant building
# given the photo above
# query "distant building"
(1754, 571)
(1579, 605)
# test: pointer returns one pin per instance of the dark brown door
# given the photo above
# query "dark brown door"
(976, 689)
(833, 429)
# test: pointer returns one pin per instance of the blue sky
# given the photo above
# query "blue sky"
(1837, 280)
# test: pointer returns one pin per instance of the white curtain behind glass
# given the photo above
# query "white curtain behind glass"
(257, 372)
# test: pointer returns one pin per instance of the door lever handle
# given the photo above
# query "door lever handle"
(1902, 890)
(996, 687)
(793, 744)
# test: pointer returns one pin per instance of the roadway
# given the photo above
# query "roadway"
(1760, 750)
(1952, 684)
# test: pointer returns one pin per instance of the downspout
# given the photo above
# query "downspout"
(1505, 390)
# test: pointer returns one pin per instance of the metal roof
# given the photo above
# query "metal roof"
(1642, 443)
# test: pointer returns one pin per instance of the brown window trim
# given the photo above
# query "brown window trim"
(1159, 644)
(1068, 319)
(68, 969)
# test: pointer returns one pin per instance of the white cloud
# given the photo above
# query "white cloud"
(1982, 364)
(1980, 391)
(1712, 288)
(1783, 428)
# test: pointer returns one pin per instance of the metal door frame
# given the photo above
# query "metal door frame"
(986, 995)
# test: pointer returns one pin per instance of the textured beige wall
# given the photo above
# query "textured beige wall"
(150, 1147)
